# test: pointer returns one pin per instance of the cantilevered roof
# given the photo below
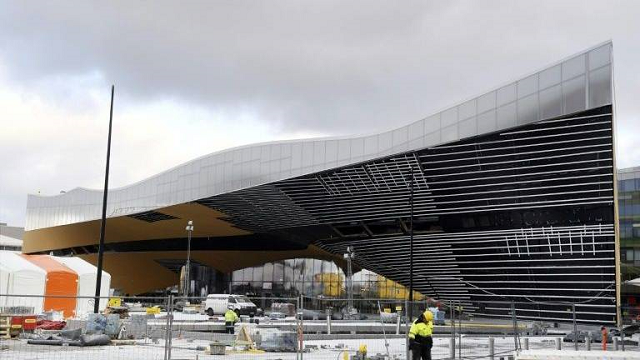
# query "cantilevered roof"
(580, 82)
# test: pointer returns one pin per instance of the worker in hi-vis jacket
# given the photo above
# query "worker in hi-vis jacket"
(230, 319)
(420, 341)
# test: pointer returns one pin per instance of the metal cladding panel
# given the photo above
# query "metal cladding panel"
(579, 83)
(522, 215)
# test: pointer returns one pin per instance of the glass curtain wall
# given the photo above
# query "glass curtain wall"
(313, 278)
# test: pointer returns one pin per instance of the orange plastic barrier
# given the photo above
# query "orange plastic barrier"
(61, 281)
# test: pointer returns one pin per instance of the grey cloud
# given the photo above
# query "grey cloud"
(335, 67)
(332, 66)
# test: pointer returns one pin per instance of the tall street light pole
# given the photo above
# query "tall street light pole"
(187, 268)
(103, 223)
(411, 178)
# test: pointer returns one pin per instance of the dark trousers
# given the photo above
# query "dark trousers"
(229, 327)
(422, 349)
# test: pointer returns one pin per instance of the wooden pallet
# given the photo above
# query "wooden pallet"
(5, 327)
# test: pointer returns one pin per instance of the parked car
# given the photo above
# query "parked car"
(217, 304)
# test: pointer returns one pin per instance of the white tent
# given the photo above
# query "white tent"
(18, 276)
(87, 275)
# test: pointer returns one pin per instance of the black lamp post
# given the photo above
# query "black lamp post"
(103, 223)
(411, 178)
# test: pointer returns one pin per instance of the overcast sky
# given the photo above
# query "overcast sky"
(195, 77)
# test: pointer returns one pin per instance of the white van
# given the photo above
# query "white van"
(217, 304)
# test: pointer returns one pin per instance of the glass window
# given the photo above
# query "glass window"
(248, 275)
(278, 272)
(449, 117)
(573, 93)
(528, 109)
(450, 133)
(344, 149)
(288, 269)
(432, 139)
(432, 123)
(551, 102)
(400, 136)
(467, 128)
(506, 116)
(599, 57)
(331, 150)
(550, 77)
(416, 130)
(385, 141)
(506, 94)
(237, 275)
(600, 87)
(308, 270)
(318, 152)
(573, 67)
(486, 102)
(317, 266)
(527, 86)
(487, 122)
(307, 154)
(630, 185)
(467, 110)
(268, 272)
(371, 144)
(357, 147)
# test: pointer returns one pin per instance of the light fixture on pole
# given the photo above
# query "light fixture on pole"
(187, 268)
(410, 309)
(349, 255)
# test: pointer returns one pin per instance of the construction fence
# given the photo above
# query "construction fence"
(314, 328)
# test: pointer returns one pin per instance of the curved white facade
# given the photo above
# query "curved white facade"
(578, 83)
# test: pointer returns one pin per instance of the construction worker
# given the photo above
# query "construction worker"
(230, 319)
(420, 341)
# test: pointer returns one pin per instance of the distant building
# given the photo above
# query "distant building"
(629, 220)
(11, 237)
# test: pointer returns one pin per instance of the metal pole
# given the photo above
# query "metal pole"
(453, 329)
(187, 270)
(384, 332)
(407, 323)
(411, 245)
(575, 328)
(491, 348)
(103, 223)
(349, 257)
(298, 326)
(170, 316)
(460, 331)
(301, 327)
(167, 332)
(515, 325)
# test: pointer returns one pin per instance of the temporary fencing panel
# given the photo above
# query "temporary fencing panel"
(21, 277)
(87, 274)
(61, 281)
